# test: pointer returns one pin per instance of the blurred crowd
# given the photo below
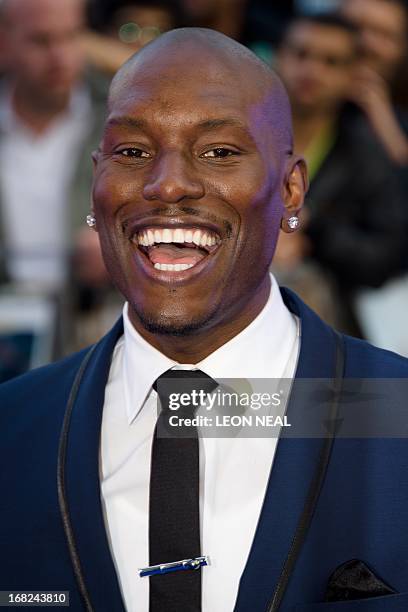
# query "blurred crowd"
(344, 64)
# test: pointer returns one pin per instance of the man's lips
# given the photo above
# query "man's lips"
(176, 249)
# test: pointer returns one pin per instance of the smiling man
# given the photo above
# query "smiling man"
(194, 177)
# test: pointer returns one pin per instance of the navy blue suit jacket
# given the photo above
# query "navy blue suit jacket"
(313, 518)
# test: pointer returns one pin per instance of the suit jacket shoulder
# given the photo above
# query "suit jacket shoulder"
(32, 407)
(362, 359)
(365, 360)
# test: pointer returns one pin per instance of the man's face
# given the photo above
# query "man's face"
(315, 63)
(41, 44)
(188, 178)
(383, 32)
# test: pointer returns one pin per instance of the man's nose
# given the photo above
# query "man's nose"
(59, 55)
(172, 179)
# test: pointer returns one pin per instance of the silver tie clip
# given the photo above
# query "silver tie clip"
(175, 566)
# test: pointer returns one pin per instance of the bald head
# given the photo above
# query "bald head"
(203, 56)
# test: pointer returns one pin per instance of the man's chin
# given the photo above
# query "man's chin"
(170, 326)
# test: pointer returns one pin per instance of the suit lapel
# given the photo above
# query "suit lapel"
(294, 470)
(82, 482)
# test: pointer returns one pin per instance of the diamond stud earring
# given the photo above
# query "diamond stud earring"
(293, 222)
(91, 221)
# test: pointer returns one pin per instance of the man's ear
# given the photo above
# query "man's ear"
(95, 157)
(294, 190)
(91, 219)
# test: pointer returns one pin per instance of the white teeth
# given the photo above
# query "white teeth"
(172, 267)
(150, 237)
(197, 237)
(167, 235)
(179, 235)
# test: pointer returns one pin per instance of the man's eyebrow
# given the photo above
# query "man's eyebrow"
(213, 124)
(127, 122)
(134, 123)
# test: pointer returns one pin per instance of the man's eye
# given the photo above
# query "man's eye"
(219, 152)
(134, 152)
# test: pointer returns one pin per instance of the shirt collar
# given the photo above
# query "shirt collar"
(261, 350)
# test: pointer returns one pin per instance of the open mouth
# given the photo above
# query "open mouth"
(176, 249)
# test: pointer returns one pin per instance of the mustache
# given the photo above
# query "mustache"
(184, 210)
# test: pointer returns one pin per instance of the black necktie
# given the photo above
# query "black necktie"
(174, 517)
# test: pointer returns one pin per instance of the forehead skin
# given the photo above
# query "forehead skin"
(196, 64)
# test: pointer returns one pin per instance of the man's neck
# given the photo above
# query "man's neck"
(308, 126)
(193, 348)
(35, 114)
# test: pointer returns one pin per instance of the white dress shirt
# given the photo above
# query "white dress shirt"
(233, 471)
(35, 202)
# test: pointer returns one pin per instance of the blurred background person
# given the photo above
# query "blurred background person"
(118, 28)
(137, 22)
(380, 91)
(134, 22)
(51, 113)
(51, 116)
(354, 229)
(380, 86)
